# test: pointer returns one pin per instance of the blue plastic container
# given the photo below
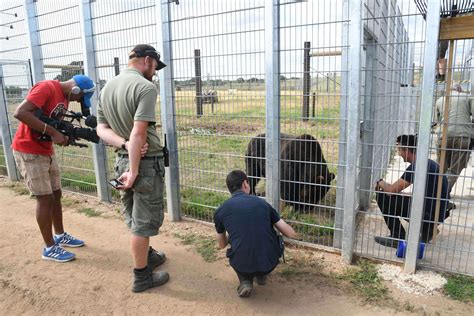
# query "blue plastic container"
(402, 249)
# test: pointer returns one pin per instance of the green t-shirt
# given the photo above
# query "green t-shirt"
(126, 98)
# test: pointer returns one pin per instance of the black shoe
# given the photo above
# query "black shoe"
(386, 241)
(147, 279)
(155, 258)
(261, 280)
(245, 288)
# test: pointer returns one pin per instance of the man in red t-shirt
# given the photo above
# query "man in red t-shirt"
(36, 160)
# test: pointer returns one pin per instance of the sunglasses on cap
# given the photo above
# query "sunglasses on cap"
(150, 53)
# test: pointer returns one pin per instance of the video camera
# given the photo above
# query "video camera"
(72, 127)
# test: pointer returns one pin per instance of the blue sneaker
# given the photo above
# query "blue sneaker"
(68, 241)
(58, 254)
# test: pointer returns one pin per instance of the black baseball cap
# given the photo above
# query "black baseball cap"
(143, 50)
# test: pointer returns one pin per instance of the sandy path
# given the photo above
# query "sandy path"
(99, 281)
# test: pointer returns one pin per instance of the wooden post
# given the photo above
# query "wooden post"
(444, 134)
(197, 72)
(306, 81)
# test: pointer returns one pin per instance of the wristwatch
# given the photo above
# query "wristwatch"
(123, 144)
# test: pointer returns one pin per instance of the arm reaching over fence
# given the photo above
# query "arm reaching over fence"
(246, 222)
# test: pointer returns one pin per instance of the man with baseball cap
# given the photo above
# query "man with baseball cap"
(126, 120)
(143, 50)
(36, 159)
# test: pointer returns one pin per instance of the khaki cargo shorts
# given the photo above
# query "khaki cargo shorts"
(41, 172)
(143, 204)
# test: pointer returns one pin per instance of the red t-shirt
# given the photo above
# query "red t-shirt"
(48, 96)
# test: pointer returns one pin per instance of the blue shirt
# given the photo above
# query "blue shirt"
(431, 189)
(253, 241)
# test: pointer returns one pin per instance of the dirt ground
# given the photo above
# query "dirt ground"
(99, 280)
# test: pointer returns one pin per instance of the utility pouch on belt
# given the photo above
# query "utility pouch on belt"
(281, 244)
(166, 155)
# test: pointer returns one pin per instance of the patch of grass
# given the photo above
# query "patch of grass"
(68, 202)
(79, 181)
(367, 283)
(199, 203)
(409, 307)
(460, 287)
(19, 189)
(204, 245)
(289, 271)
(90, 212)
(324, 231)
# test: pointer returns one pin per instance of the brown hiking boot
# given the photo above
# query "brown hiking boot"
(144, 280)
(155, 258)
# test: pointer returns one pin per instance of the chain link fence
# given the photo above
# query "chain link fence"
(350, 77)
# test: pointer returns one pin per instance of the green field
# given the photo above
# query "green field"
(211, 145)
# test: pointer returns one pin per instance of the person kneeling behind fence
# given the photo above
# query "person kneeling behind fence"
(249, 222)
(393, 203)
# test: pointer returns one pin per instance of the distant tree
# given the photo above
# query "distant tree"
(240, 80)
(282, 78)
(13, 91)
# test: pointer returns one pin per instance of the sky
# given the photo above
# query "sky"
(229, 34)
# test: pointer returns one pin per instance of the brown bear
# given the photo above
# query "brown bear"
(305, 178)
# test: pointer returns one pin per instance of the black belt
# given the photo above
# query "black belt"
(143, 158)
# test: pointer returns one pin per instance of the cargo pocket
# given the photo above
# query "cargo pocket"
(161, 168)
(145, 181)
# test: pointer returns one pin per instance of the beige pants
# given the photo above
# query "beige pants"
(41, 172)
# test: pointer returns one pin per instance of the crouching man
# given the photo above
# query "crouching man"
(249, 222)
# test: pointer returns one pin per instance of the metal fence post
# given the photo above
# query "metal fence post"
(34, 44)
(341, 169)
(98, 150)
(353, 127)
(422, 152)
(168, 117)
(6, 132)
(368, 130)
(472, 68)
(272, 102)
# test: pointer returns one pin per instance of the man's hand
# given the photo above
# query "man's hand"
(143, 150)
(128, 179)
(378, 185)
(60, 139)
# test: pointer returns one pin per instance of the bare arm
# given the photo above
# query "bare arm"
(25, 113)
(222, 240)
(137, 141)
(396, 187)
(110, 137)
(285, 229)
